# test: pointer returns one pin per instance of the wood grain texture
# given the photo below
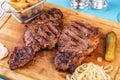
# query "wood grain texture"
(4, 19)
(42, 66)
(117, 77)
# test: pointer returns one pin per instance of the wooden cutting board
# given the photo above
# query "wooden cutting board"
(42, 66)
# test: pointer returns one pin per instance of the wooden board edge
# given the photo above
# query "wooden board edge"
(4, 19)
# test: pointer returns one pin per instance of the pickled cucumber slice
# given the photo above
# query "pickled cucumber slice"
(111, 40)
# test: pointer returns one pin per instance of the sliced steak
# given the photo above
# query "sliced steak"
(20, 56)
(78, 39)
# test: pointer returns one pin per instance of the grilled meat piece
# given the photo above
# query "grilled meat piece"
(41, 36)
(41, 33)
(29, 38)
(53, 16)
(78, 39)
(44, 31)
(20, 56)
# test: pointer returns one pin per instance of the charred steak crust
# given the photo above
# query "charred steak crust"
(78, 39)
(53, 16)
(41, 33)
(20, 56)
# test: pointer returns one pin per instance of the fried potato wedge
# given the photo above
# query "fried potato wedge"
(33, 2)
(22, 4)
(19, 6)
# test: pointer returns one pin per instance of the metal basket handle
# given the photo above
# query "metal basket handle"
(4, 8)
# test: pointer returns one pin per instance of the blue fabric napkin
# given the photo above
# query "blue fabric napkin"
(111, 12)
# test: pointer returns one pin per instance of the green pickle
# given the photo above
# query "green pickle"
(111, 40)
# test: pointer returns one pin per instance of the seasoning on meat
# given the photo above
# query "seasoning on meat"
(20, 57)
(41, 33)
(44, 31)
(78, 39)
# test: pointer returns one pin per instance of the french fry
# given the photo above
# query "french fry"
(19, 6)
(23, 1)
(33, 2)
(22, 4)
(14, 0)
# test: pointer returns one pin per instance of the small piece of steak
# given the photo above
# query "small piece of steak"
(20, 56)
(78, 39)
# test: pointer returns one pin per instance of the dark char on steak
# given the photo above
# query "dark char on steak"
(78, 39)
(44, 31)
(41, 33)
(20, 56)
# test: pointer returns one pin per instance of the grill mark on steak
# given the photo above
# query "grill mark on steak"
(30, 39)
(76, 31)
(78, 39)
(81, 30)
(75, 41)
(53, 16)
(56, 13)
(20, 57)
(42, 33)
(93, 31)
(41, 17)
(83, 24)
(47, 34)
(71, 45)
(53, 29)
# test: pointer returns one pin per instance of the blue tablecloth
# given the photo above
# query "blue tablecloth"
(112, 12)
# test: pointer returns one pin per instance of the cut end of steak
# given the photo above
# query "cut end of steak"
(78, 39)
(20, 56)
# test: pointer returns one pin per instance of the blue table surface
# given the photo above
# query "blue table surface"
(111, 12)
(2, 79)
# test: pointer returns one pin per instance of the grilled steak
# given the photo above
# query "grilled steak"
(20, 56)
(41, 33)
(78, 39)
(53, 16)
(41, 36)
(44, 31)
